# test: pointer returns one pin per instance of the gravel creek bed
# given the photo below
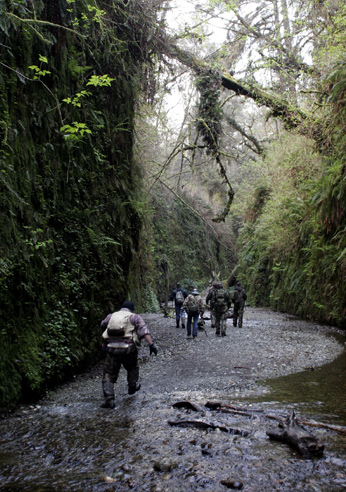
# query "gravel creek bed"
(67, 442)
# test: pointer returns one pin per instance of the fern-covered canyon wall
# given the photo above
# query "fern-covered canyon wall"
(78, 233)
(70, 73)
(292, 247)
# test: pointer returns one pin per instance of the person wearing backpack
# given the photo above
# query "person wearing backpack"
(238, 298)
(194, 307)
(210, 291)
(122, 334)
(220, 302)
(178, 295)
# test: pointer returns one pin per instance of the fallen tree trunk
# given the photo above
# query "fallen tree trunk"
(222, 407)
(298, 438)
(216, 405)
(188, 405)
(208, 425)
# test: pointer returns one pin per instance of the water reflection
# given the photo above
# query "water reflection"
(317, 392)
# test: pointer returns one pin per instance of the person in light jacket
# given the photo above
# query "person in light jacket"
(122, 334)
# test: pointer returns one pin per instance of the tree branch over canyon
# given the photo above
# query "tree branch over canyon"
(293, 118)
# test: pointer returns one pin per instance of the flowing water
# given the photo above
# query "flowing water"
(66, 442)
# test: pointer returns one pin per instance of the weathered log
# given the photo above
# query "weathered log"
(313, 423)
(208, 425)
(217, 405)
(222, 407)
(297, 437)
(188, 404)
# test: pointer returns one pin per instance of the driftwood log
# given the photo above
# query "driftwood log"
(291, 433)
(189, 405)
(199, 424)
(224, 408)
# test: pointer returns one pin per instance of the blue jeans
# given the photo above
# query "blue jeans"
(194, 317)
(177, 313)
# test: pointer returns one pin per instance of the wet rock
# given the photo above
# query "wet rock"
(109, 479)
(232, 484)
(165, 465)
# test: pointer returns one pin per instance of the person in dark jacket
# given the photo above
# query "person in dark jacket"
(210, 291)
(178, 295)
(220, 302)
(238, 298)
(122, 334)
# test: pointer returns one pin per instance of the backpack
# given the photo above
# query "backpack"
(220, 302)
(238, 296)
(193, 305)
(179, 297)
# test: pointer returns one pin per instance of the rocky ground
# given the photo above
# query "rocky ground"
(67, 442)
(268, 345)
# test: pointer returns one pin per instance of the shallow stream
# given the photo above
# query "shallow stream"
(66, 442)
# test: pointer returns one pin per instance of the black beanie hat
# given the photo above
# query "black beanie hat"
(128, 305)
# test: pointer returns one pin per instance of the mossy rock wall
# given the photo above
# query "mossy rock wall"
(69, 221)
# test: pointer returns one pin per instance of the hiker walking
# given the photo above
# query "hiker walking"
(220, 302)
(122, 335)
(210, 290)
(194, 307)
(238, 298)
(178, 295)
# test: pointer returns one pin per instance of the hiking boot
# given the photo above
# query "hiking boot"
(108, 404)
(133, 389)
(217, 334)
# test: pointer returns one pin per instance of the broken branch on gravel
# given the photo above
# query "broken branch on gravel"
(216, 405)
(222, 407)
(293, 434)
(208, 425)
(189, 405)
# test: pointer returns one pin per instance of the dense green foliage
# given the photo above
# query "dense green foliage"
(184, 249)
(292, 248)
(293, 244)
(79, 233)
(70, 216)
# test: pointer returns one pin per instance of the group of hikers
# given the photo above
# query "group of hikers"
(123, 331)
(220, 301)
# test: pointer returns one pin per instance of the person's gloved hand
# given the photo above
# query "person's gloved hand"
(153, 349)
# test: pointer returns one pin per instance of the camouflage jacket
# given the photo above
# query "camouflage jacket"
(223, 304)
(190, 301)
(239, 296)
